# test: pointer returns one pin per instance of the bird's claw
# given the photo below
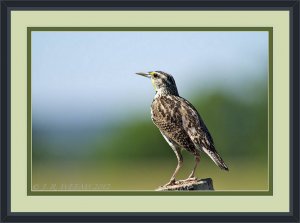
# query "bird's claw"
(191, 179)
(170, 183)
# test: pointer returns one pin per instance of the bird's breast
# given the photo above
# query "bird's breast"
(163, 109)
(158, 111)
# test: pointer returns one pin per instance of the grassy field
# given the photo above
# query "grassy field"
(146, 175)
(134, 156)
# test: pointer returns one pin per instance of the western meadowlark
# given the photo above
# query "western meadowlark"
(180, 123)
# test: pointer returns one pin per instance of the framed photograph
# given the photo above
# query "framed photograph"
(129, 111)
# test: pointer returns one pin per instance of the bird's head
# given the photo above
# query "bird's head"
(162, 82)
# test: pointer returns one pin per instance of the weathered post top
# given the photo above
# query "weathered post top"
(202, 184)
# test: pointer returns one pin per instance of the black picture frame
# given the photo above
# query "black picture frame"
(7, 215)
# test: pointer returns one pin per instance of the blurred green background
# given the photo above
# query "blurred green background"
(91, 114)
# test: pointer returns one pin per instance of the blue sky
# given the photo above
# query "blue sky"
(88, 77)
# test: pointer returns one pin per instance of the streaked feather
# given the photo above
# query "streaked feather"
(178, 120)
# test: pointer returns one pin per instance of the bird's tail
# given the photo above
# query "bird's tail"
(214, 155)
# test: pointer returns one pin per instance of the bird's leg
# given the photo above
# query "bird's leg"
(179, 165)
(192, 175)
(172, 180)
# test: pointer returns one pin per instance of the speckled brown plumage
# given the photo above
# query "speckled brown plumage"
(167, 116)
(179, 121)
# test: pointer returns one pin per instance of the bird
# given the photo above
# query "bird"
(180, 124)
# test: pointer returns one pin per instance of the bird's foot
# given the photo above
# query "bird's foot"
(191, 178)
(170, 183)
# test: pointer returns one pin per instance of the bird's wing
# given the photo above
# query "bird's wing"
(198, 132)
(194, 125)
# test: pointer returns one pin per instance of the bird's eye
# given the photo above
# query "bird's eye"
(155, 75)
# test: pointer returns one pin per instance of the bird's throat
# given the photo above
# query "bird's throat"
(165, 91)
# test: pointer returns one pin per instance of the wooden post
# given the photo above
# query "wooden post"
(203, 184)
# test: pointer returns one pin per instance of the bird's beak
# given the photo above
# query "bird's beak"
(144, 74)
